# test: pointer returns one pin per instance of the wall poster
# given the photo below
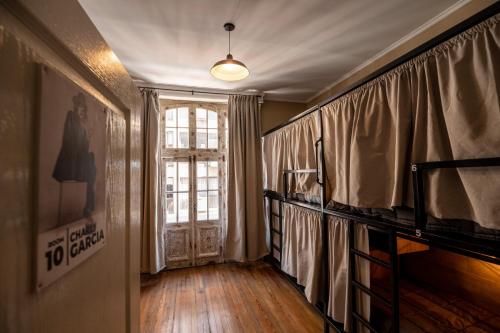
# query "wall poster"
(70, 176)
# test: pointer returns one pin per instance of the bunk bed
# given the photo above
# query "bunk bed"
(399, 156)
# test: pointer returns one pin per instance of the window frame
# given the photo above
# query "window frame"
(195, 155)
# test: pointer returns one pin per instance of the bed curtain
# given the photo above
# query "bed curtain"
(455, 98)
(301, 252)
(292, 147)
(441, 105)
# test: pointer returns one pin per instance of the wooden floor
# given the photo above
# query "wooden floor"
(224, 298)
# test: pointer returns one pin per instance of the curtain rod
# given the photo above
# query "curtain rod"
(193, 91)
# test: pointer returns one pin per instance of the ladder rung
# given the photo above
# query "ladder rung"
(371, 293)
(277, 247)
(274, 214)
(364, 322)
(371, 258)
(276, 231)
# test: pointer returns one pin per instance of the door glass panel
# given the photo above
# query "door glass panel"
(213, 205)
(183, 207)
(213, 183)
(176, 192)
(171, 177)
(171, 207)
(183, 176)
(213, 168)
(202, 206)
(207, 190)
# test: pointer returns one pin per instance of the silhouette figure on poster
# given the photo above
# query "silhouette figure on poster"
(75, 162)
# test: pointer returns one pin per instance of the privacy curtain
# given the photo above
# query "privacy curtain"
(455, 97)
(338, 259)
(441, 105)
(292, 147)
(246, 230)
(367, 133)
(152, 244)
(302, 248)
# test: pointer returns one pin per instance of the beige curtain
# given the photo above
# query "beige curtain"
(152, 245)
(366, 137)
(457, 116)
(292, 147)
(442, 105)
(246, 229)
(301, 252)
(338, 258)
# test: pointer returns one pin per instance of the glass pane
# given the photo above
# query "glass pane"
(201, 138)
(183, 207)
(170, 138)
(201, 169)
(202, 206)
(212, 119)
(212, 138)
(171, 208)
(213, 183)
(202, 184)
(171, 176)
(213, 205)
(201, 118)
(213, 169)
(170, 118)
(183, 138)
(183, 117)
(183, 176)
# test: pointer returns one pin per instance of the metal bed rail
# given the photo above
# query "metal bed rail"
(419, 170)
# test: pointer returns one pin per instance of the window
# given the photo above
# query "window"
(206, 129)
(177, 128)
(193, 161)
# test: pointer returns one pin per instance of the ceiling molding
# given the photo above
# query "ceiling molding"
(435, 20)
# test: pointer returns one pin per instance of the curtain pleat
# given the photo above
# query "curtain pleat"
(152, 241)
(246, 230)
(301, 252)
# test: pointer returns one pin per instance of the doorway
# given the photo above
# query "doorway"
(193, 182)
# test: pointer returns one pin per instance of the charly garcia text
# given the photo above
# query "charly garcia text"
(80, 240)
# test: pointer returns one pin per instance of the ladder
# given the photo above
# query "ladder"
(355, 285)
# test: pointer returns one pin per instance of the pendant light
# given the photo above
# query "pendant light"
(229, 69)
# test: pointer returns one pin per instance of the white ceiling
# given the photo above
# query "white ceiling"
(293, 48)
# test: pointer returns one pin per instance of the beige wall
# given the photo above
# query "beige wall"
(467, 10)
(274, 113)
(102, 294)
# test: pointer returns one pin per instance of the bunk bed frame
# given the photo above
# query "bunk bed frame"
(485, 250)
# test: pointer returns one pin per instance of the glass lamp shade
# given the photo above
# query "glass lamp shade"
(229, 69)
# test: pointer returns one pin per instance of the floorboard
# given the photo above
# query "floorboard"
(224, 298)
